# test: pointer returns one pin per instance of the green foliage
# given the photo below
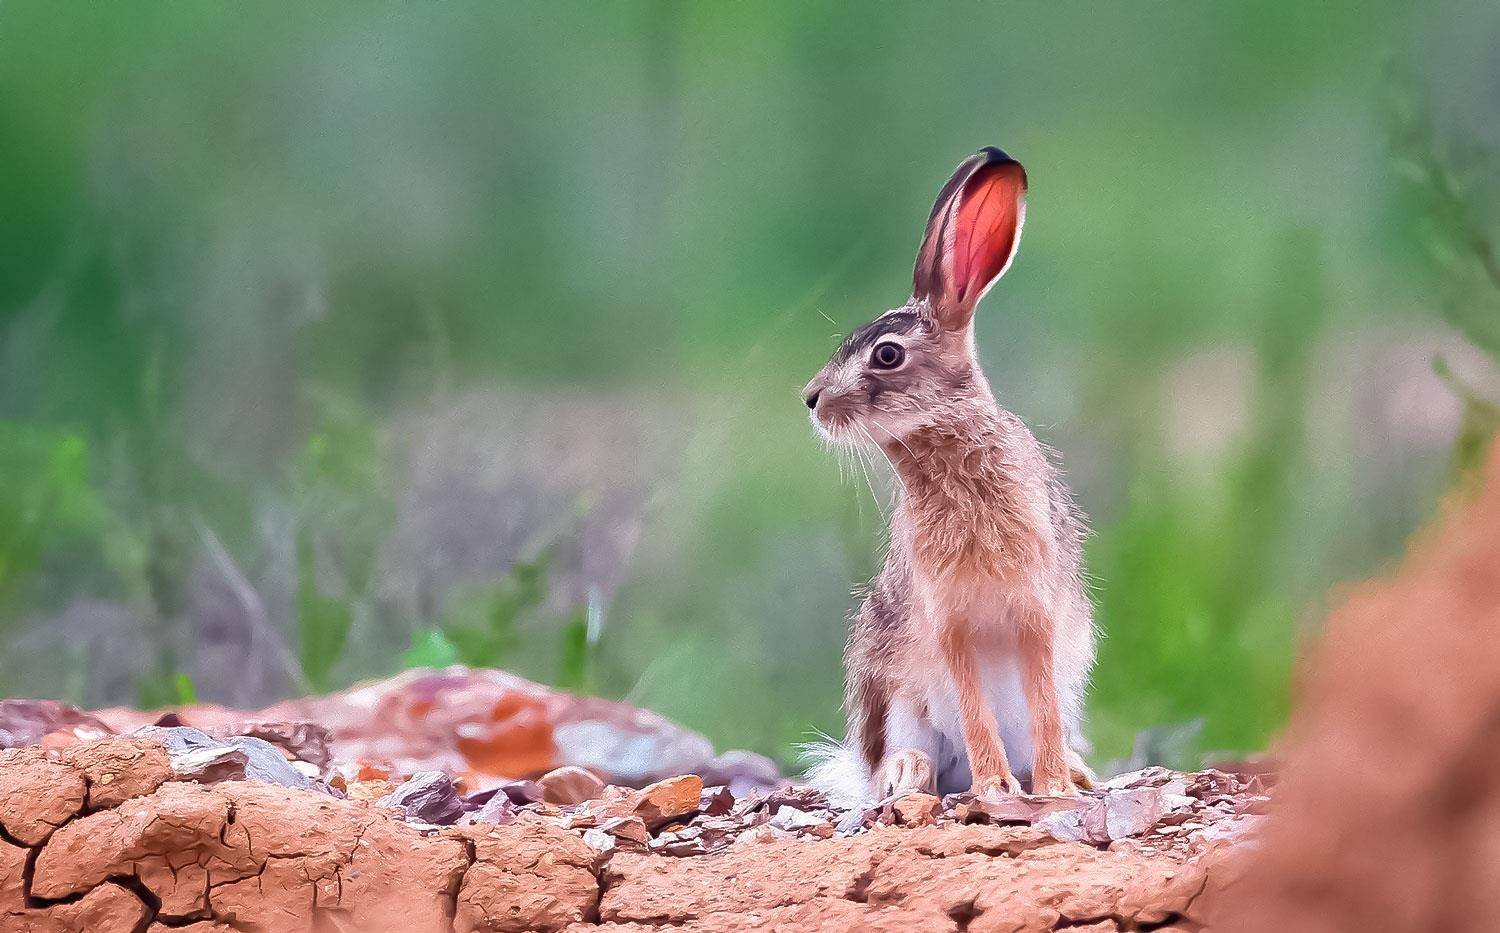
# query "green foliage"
(51, 511)
(1193, 598)
(187, 693)
(429, 648)
(481, 622)
(322, 621)
(575, 672)
(238, 288)
(1453, 184)
(157, 690)
(340, 487)
(482, 627)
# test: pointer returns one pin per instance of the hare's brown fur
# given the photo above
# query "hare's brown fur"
(977, 634)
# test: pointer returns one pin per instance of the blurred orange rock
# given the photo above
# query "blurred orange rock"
(484, 726)
(27, 722)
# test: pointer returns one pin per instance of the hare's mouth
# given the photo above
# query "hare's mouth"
(863, 428)
(842, 428)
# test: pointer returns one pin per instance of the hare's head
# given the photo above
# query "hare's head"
(915, 366)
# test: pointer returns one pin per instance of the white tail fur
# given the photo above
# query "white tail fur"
(839, 772)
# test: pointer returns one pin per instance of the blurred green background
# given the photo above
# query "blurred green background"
(350, 336)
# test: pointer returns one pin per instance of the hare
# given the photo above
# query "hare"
(968, 660)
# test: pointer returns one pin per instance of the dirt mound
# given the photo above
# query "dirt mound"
(160, 831)
(1388, 815)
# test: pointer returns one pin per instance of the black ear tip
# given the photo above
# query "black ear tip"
(993, 155)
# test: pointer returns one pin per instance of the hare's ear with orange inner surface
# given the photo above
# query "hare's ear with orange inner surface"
(972, 235)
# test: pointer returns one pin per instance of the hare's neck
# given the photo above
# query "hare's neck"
(964, 507)
(951, 456)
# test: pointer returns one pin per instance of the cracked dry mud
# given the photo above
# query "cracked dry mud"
(105, 837)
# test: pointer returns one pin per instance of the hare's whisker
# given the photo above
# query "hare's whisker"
(865, 466)
(892, 435)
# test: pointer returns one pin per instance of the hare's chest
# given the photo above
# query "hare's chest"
(987, 607)
(970, 538)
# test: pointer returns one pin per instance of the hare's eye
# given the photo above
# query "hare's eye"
(888, 355)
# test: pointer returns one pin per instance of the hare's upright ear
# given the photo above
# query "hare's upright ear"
(972, 236)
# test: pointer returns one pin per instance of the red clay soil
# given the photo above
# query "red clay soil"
(103, 837)
(1388, 813)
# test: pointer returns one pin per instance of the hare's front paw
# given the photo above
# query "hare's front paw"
(907, 772)
(1080, 772)
(995, 786)
(1054, 787)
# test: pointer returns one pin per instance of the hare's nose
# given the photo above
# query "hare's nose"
(813, 389)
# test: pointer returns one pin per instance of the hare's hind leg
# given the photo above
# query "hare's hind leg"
(911, 744)
(1050, 771)
(981, 733)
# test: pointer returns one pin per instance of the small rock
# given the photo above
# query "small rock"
(686, 841)
(497, 809)
(581, 818)
(429, 797)
(715, 838)
(799, 797)
(368, 790)
(660, 803)
(198, 756)
(599, 840)
(857, 820)
(800, 823)
(569, 784)
(365, 771)
(1100, 821)
(522, 792)
(1153, 776)
(917, 809)
(26, 722)
(628, 829)
(762, 833)
(266, 764)
(749, 802)
(1132, 812)
(742, 770)
(716, 801)
(1011, 808)
(303, 741)
(1174, 803)
(1210, 782)
(1078, 825)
